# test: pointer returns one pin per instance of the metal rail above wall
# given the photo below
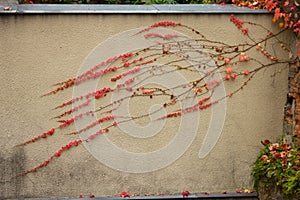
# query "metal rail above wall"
(126, 9)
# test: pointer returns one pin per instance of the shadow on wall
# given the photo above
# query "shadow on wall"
(11, 164)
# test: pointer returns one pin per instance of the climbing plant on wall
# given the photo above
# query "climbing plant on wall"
(217, 64)
(286, 13)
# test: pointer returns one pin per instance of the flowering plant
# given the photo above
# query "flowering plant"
(286, 13)
(279, 164)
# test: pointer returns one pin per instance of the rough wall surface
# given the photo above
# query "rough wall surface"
(292, 108)
(9, 2)
(39, 50)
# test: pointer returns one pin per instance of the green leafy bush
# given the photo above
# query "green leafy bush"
(278, 164)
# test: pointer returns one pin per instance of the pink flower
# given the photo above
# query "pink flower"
(277, 155)
(285, 146)
(264, 158)
(274, 146)
(283, 154)
(265, 142)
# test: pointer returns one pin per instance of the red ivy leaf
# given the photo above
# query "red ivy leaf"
(277, 14)
(7, 8)
(185, 193)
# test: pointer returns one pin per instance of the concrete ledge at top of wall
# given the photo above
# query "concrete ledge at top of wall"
(12, 7)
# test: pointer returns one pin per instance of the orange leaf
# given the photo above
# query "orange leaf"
(277, 14)
(286, 3)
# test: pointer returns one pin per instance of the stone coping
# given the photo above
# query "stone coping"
(126, 9)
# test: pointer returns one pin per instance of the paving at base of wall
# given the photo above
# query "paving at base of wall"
(229, 196)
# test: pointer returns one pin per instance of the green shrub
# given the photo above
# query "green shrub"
(278, 164)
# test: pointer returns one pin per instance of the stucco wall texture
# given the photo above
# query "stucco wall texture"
(39, 50)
